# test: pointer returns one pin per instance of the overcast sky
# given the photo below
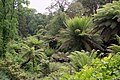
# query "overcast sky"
(40, 5)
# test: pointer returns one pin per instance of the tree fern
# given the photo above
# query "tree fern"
(107, 20)
(78, 30)
(82, 24)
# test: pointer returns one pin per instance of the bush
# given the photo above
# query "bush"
(80, 59)
(49, 52)
(107, 68)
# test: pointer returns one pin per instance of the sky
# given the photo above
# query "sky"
(40, 5)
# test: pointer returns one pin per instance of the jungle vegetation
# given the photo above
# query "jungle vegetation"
(80, 42)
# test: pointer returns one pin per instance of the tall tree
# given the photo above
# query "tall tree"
(35, 21)
(58, 5)
(92, 5)
(22, 25)
(7, 27)
(75, 9)
(8, 23)
(57, 23)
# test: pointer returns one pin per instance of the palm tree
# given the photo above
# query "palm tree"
(78, 30)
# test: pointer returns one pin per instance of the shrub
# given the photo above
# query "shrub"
(107, 68)
(80, 59)
(49, 52)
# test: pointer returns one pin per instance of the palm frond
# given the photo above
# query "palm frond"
(79, 34)
(114, 48)
(81, 24)
(79, 59)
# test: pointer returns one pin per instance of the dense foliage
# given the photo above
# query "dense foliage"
(107, 68)
(107, 20)
(76, 42)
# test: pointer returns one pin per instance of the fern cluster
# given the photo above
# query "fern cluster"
(80, 59)
(107, 20)
(78, 25)
(107, 68)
